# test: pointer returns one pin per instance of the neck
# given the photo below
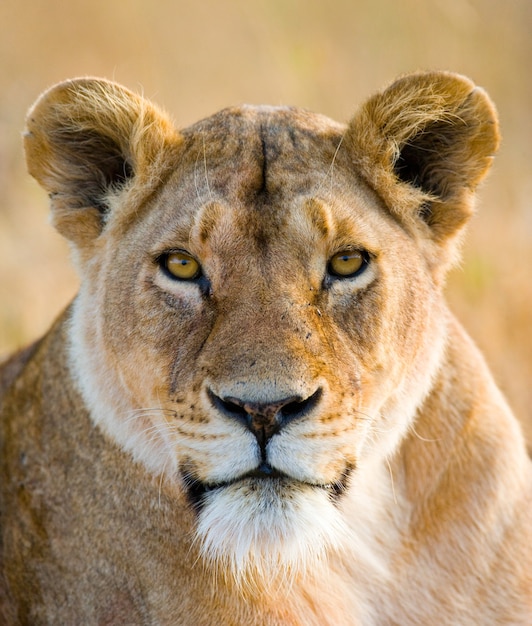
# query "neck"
(462, 431)
(458, 476)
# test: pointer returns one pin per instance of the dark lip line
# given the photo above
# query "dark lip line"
(196, 489)
(264, 472)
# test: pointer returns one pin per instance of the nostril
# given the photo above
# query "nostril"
(232, 409)
(300, 408)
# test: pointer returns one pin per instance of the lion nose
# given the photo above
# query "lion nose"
(265, 419)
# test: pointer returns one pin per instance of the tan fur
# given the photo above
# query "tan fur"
(393, 486)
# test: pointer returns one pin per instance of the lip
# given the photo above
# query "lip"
(197, 489)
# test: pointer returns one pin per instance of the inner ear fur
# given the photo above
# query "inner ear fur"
(424, 144)
(88, 138)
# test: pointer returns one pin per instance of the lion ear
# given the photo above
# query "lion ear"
(86, 141)
(424, 144)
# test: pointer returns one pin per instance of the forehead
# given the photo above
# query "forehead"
(244, 152)
(266, 165)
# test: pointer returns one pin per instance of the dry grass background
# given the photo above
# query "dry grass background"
(196, 57)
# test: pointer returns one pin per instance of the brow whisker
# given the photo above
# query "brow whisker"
(328, 174)
(205, 169)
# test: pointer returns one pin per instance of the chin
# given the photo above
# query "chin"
(265, 532)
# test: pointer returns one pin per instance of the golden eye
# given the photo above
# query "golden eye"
(181, 265)
(348, 263)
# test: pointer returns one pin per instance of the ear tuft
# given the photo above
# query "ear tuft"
(85, 140)
(424, 144)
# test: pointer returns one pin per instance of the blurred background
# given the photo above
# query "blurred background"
(196, 57)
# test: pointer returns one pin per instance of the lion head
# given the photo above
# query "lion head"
(261, 311)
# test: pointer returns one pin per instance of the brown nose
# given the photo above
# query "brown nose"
(265, 419)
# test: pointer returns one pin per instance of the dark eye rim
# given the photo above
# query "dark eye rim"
(162, 261)
(366, 260)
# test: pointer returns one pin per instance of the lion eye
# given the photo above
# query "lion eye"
(348, 263)
(181, 265)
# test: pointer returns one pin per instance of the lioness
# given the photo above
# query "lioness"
(259, 410)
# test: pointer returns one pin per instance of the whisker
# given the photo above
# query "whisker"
(365, 416)
(424, 438)
(196, 184)
(328, 175)
(205, 169)
(147, 412)
(391, 480)
(374, 419)
(382, 431)
(159, 429)
(161, 478)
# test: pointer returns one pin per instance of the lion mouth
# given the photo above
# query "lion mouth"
(197, 490)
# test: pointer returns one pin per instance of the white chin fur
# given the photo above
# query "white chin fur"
(267, 532)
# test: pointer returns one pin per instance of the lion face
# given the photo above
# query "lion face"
(268, 337)
(256, 321)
